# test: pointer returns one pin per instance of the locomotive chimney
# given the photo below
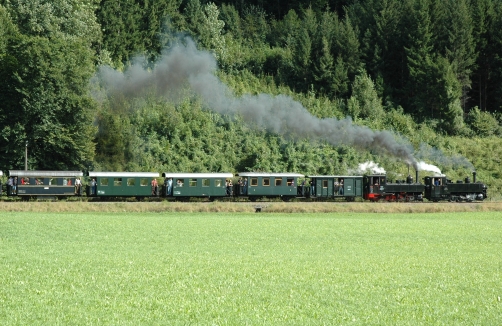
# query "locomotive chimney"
(474, 177)
(416, 176)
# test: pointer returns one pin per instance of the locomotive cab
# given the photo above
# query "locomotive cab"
(434, 187)
(373, 186)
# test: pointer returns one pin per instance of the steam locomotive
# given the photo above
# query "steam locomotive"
(434, 188)
(252, 186)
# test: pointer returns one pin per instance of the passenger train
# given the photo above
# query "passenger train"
(251, 186)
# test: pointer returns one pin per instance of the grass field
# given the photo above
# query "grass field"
(246, 268)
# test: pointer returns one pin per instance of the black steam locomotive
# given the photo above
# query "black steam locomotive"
(435, 188)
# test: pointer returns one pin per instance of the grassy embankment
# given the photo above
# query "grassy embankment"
(243, 207)
(227, 268)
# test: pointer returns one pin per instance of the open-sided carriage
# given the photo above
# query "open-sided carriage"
(44, 184)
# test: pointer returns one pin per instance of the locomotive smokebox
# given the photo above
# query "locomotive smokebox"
(474, 177)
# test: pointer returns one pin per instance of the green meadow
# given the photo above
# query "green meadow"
(250, 269)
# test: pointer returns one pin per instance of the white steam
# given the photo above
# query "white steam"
(369, 168)
(422, 166)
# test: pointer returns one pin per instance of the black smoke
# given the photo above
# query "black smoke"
(184, 67)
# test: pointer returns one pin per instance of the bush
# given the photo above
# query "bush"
(483, 123)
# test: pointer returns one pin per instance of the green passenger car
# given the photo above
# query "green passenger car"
(269, 185)
(122, 184)
(184, 185)
(336, 186)
(32, 183)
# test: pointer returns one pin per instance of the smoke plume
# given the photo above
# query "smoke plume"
(369, 167)
(184, 67)
(454, 161)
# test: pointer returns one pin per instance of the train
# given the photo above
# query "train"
(248, 186)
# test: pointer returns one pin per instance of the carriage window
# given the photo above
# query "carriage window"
(117, 182)
(266, 182)
(291, 182)
(131, 181)
(143, 182)
(217, 183)
(192, 183)
(179, 183)
(52, 182)
(278, 182)
(254, 182)
(39, 181)
(325, 183)
(205, 182)
(102, 181)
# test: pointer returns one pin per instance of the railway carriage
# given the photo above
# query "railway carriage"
(122, 184)
(269, 185)
(335, 187)
(1, 175)
(35, 184)
(193, 185)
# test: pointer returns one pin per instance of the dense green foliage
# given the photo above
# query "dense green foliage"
(46, 64)
(428, 70)
(228, 269)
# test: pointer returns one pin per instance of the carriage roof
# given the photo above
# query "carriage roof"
(124, 174)
(40, 173)
(196, 175)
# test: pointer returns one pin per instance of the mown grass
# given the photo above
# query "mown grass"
(246, 268)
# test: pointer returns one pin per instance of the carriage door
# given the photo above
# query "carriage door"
(326, 188)
(358, 187)
(315, 185)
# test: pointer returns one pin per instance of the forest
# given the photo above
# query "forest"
(315, 87)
